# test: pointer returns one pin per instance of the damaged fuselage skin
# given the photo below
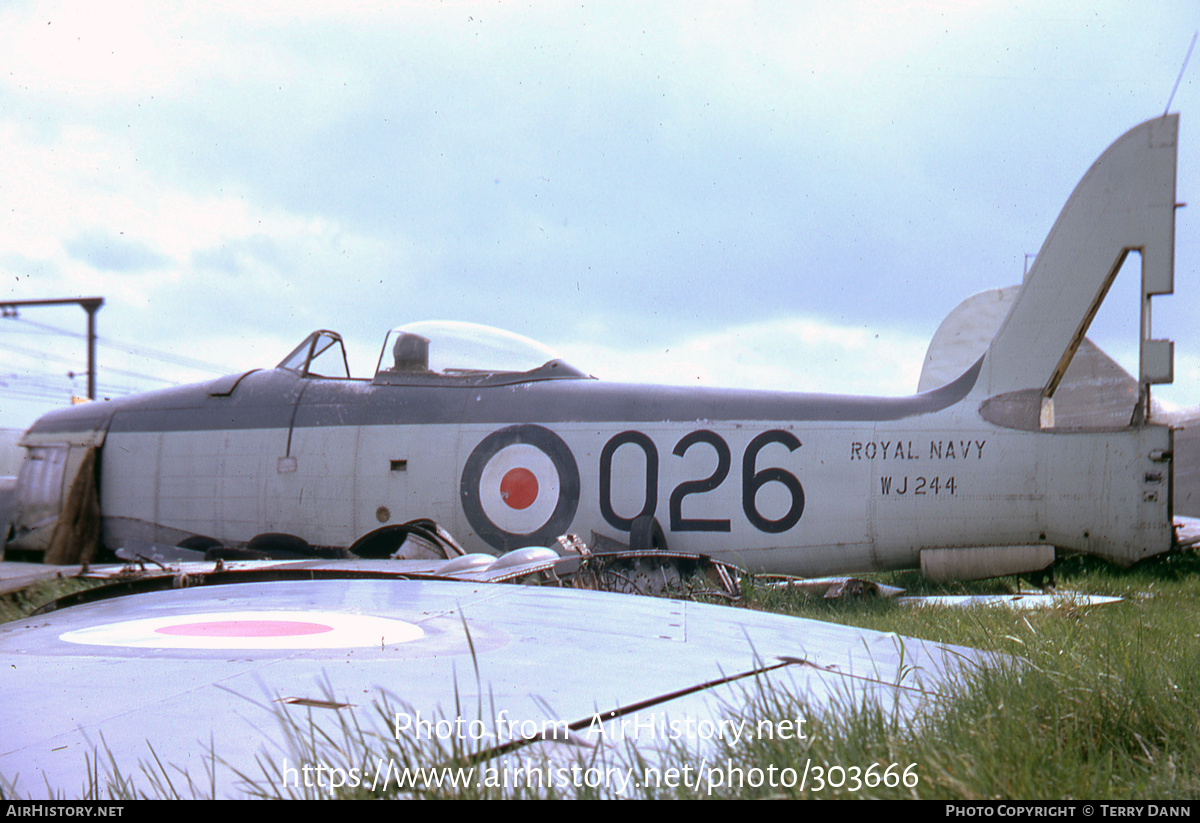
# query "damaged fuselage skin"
(972, 473)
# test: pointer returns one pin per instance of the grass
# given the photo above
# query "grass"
(23, 602)
(1104, 704)
(1101, 702)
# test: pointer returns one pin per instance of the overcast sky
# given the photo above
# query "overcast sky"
(782, 195)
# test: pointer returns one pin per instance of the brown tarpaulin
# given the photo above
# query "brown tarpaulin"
(76, 535)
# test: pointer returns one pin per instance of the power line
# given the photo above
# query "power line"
(71, 361)
(60, 388)
(128, 348)
(38, 354)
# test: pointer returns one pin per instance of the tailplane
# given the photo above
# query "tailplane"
(1095, 392)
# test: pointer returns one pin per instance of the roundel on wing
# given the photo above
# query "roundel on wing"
(260, 630)
(520, 487)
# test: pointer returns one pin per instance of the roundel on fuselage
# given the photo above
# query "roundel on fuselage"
(520, 487)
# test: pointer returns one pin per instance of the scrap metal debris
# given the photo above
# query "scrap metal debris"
(1012, 601)
(832, 588)
(1187, 531)
(424, 550)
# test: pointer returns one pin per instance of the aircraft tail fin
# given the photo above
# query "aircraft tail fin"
(1125, 202)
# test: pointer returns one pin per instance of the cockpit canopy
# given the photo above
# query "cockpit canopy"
(450, 349)
(437, 351)
(321, 355)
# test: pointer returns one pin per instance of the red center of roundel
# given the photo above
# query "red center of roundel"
(246, 628)
(519, 488)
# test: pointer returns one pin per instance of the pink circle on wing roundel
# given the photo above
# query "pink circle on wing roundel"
(519, 488)
(245, 628)
(249, 629)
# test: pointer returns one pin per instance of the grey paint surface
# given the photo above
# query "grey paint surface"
(10, 454)
(267, 400)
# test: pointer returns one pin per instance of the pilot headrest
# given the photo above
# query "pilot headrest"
(411, 352)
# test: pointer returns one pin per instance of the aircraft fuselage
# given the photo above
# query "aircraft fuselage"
(774, 481)
(508, 456)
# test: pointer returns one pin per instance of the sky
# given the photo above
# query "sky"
(773, 195)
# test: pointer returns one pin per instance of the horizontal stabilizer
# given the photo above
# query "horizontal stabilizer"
(1095, 391)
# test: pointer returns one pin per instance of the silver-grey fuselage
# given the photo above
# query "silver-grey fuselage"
(512, 457)
(775, 481)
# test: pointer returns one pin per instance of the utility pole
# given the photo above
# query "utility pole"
(91, 305)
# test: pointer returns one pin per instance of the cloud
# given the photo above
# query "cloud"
(801, 354)
(615, 180)
(105, 252)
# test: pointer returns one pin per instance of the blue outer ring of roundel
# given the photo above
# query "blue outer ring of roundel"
(560, 455)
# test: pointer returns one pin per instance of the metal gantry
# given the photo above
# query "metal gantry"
(91, 305)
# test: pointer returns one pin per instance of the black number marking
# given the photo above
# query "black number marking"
(707, 484)
(650, 501)
(923, 486)
(753, 480)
